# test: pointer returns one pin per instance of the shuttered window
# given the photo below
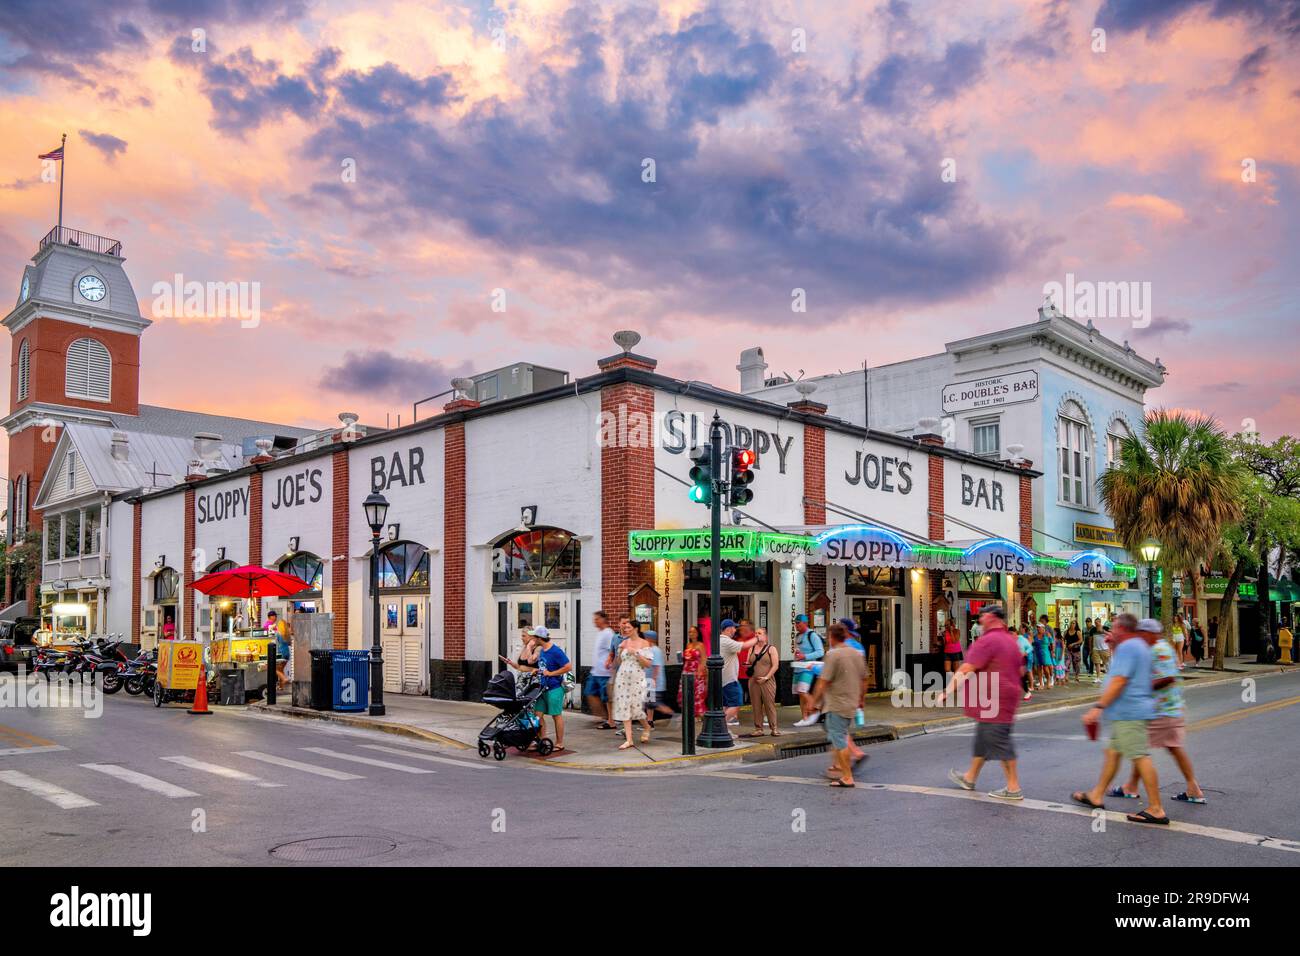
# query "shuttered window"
(89, 371)
(24, 370)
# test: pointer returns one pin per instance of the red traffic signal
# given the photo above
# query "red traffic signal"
(742, 460)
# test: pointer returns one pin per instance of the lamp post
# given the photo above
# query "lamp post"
(713, 731)
(376, 507)
(1150, 552)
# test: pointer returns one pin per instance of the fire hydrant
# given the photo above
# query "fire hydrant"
(1284, 642)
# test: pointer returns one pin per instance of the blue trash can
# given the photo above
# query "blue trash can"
(351, 680)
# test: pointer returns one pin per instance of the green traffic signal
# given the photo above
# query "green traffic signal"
(702, 477)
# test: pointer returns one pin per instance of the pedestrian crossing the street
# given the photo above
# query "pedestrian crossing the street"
(134, 778)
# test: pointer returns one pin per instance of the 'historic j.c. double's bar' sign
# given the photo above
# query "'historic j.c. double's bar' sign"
(991, 392)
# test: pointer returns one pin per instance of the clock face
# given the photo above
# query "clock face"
(91, 288)
(27, 287)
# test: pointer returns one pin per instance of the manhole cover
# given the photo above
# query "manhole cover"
(333, 849)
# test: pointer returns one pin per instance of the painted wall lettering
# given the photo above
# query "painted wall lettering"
(982, 493)
(387, 471)
(679, 434)
(880, 471)
(297, 488)
(220, 505)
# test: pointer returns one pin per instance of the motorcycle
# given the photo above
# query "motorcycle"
(140, 674)
(107, 658)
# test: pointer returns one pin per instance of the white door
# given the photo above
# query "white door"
(554, 610)
(404, 623)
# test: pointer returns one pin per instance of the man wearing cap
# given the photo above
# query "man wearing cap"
(809, 649)
(1128, 704)
(1168, 729)
(552, 665)
(732, 695)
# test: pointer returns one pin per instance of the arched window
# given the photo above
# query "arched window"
(1074, 443)
(540, 557)
(89, 371)
(1115, 436)
(404, 566)
(166, 584)
(308, 567)
(221, 566)
(24, 370)
(20, 505)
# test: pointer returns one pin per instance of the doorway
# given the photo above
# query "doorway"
(874, 621)
(404, 637)
(737, 607)
(530, 609)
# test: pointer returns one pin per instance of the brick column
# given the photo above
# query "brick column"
(339, 550)
(1026, 507)
(814, 484)
(627, 484)
(137, 511)
(255, 524)
(188, 616)
(453, 557)
(934, 531)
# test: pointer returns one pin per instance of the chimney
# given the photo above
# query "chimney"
(627, 340)
(263, 452)
(195, 471)
(752, 369)
(927, 432)
(120, 449)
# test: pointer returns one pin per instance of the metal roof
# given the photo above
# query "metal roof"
(153, 461)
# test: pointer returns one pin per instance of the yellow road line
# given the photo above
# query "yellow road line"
(24, 739)
(1251, 711)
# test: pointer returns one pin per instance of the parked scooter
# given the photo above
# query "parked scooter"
(105, 657)
(140, 674)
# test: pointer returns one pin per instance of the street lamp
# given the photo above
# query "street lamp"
(1150, 552)
(376, 507)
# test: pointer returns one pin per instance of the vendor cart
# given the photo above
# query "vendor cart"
(179, 665)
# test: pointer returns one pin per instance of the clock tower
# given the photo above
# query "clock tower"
(75, 356)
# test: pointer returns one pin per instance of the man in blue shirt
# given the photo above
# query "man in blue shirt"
(808, 648)
(552, 665)
(1128, 703)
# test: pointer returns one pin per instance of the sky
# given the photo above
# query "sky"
(419, 190)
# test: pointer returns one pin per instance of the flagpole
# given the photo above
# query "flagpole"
(63, 152)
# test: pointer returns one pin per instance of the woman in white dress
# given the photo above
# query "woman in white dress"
(634, 656)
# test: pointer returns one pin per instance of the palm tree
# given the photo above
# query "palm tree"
(1177, 482)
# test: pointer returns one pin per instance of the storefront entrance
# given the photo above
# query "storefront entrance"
(738, 607)
(530, 609)
(404, 639)
(875, 620)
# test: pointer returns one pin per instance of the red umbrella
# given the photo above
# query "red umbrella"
(250, 581)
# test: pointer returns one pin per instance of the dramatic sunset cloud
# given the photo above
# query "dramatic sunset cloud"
(391, 173)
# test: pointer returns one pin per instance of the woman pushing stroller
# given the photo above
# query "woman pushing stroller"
(552, 665)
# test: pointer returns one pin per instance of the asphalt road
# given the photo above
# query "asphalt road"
(139, 786)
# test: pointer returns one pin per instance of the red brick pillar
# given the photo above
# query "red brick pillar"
(814, 484)
(1026, 507)
(339, 550)
(188, 611)
(453, 555)
(934, 530)
(137, 511)
(627, 482)
(255, 524)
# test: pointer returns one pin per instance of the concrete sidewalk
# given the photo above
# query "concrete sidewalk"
(456, 724)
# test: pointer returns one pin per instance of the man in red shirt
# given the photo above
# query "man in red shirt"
(991, 700)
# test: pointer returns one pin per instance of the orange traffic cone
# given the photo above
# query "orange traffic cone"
(200, 707)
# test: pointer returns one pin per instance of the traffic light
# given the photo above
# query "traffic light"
(742, 463)
(702, 476)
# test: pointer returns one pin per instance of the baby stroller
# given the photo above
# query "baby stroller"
(516, 726)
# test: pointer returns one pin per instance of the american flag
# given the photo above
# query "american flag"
(56, 153)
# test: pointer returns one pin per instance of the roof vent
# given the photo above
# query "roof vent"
(207, 446)
(120, 447)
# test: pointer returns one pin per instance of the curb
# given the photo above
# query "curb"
(364, 723)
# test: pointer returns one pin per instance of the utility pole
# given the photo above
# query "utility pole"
(713, 731)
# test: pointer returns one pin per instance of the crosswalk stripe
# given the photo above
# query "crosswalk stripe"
(371, 761)
(1072, 809)
(63, 799)
(297, 765)
(230, 773)
(141, 780)
(431, 757)
(16, 751)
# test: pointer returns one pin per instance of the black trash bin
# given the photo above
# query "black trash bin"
(322, 679)
(232, 686)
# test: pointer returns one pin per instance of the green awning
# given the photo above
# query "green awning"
(1284, 591)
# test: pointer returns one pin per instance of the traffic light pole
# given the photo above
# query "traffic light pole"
(713, 731)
